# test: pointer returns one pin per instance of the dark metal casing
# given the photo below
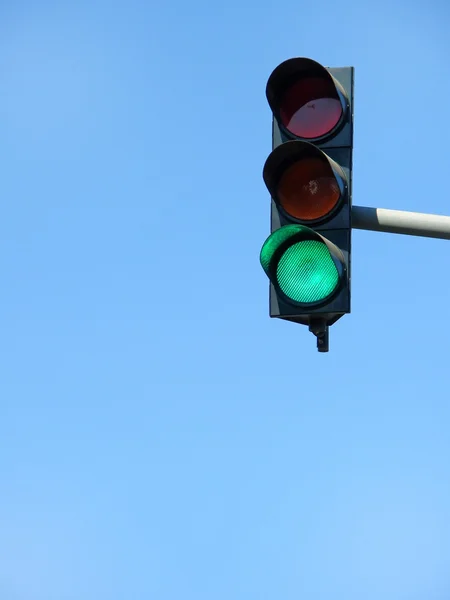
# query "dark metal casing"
(337, 229)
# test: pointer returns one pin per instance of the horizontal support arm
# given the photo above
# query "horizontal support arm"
(399, 221)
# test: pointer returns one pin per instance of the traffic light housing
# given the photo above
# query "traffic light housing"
(307, 257)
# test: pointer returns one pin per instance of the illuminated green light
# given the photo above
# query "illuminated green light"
(306, 272)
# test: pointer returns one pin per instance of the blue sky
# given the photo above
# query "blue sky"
(162, 438)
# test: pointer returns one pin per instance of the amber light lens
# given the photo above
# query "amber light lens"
(308, 189)
(311, 108)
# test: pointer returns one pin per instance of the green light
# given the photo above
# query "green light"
(306, 272)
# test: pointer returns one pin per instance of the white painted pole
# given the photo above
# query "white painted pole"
(399, 221)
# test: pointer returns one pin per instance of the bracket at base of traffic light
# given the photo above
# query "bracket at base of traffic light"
(307, 256)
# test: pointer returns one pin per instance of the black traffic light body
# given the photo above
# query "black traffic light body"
(333, 148)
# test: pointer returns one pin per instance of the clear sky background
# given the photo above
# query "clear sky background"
(161, 437)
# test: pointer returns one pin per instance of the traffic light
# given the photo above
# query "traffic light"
(309, 177)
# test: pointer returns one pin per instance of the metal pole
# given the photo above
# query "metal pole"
(399, 221)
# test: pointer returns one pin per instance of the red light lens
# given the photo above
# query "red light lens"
(308, 189)
(311, 108)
